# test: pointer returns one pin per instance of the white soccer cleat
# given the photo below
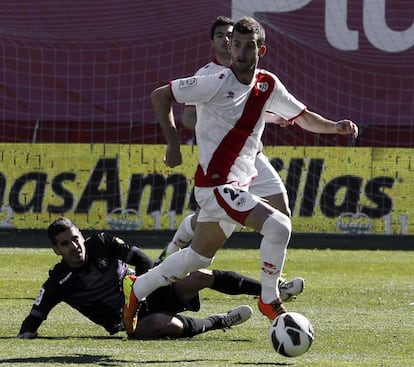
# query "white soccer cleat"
(236, 316)
(289, 290)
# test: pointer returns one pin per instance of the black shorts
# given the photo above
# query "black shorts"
(169, 300)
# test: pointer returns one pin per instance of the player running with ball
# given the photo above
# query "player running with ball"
(267, 184)
(231, 106)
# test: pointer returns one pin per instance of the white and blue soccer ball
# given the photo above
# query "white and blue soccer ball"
(291, 334)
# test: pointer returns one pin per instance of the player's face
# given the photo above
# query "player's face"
(221, 41)
(71, 246)
(245, 52)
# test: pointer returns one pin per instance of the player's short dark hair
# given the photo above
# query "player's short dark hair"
(247, 25)
(57, 226)
(220, 21)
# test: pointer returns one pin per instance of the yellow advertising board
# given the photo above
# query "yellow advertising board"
(128, 187)
(351, 190)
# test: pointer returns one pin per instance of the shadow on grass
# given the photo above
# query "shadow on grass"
(98, 360)
(118, 337)
(265, 363)
(77, 359)
(97, 337)
(109, 361)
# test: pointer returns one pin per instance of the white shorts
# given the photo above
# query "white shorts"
(225, 204)
(268, 181)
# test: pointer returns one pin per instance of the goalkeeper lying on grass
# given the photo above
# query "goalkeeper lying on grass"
(89, 276)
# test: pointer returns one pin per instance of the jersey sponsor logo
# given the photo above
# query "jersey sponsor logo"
(65, 279)
(39, 297)
(189, 82)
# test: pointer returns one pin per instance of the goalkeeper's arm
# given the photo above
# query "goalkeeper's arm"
(29, 327)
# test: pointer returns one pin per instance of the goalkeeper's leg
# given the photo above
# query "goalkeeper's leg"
(175, 267)
(159, 325)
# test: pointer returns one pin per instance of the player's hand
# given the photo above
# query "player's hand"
(347, 127)
(173, 156)
(27, 335)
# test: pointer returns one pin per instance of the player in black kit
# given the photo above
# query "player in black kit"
(89, 278)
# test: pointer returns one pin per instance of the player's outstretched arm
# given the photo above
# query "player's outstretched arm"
(314, 122)
(162, 101)
(29, 327)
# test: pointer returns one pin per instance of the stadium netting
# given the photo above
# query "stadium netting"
(83, 72)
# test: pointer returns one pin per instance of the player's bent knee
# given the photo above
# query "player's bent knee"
(277, 225)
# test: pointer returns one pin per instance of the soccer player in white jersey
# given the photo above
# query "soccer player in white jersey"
(267, 184)
(231, 106)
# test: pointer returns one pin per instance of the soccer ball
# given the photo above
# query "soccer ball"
(291, 334)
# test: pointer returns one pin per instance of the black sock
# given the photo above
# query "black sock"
(194, 326)
(230, 282)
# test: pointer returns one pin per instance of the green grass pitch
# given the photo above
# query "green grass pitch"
(358, 302)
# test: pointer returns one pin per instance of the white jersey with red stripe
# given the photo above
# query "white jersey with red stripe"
(230, 121)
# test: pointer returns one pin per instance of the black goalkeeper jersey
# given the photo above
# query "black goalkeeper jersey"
(94, 289)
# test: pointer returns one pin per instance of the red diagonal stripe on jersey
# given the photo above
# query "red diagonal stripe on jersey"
(228, 150)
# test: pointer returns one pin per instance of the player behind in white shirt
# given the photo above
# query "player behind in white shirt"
(231, 108)
(220, 34)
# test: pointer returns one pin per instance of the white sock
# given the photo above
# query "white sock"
(276, 233)
(174, 267)
(182, 236)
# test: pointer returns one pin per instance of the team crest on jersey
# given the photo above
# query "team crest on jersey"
(102, 263)
(240, 202)
(189, 82)
(263, 87)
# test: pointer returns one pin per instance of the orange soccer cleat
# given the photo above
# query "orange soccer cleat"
(272, 309)
(131, 304)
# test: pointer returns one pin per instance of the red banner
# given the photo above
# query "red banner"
(83, 72)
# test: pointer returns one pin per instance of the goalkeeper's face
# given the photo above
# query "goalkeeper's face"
(70, 244)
